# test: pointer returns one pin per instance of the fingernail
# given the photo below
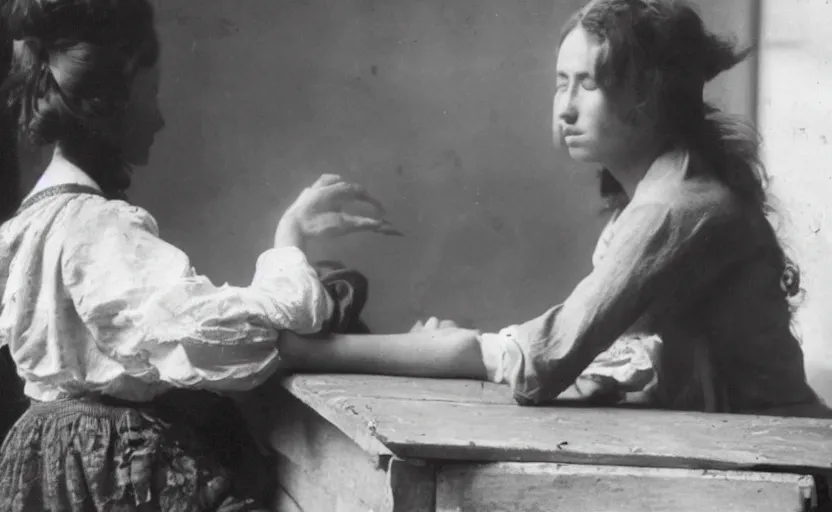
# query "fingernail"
(387, 228)
(390, 231)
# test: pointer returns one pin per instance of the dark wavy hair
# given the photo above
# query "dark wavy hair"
(656, 58)
(72, 66)
(9, 171)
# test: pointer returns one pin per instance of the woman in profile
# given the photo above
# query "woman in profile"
(688, 304)
(104, 319)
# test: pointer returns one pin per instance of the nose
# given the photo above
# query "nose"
(565, 110)
(160, 120)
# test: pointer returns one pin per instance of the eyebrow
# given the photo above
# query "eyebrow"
(580, 75)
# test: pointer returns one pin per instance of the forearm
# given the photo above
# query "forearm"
(439, 354)
(288, 234)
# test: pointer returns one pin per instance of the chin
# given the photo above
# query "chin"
(137, 162)
(138, 158)
(581, 155)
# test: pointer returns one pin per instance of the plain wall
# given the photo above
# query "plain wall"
(796, 123)
(442, 109)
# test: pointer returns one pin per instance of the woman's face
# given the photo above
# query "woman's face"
(142, 118)
(584, 119)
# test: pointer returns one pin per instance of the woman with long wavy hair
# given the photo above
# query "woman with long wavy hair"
(689, 305)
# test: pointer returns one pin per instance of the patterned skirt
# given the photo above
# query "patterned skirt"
(94, 455)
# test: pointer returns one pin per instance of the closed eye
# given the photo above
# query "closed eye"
(586, 81)
(589, 84)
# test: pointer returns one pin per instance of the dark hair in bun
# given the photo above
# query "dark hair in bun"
(72, 66)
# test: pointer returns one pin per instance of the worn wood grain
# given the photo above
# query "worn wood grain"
(327, 386)
(351, 422)
(307, 492)
(466, 391)
(327, 456)
(412, 487)
(553, 487)
(453, 429)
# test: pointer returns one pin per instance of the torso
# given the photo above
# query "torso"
(741, 321)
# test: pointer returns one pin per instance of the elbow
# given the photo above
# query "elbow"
(216, 367)
(304, 353)
(529, 391)
(525, 401)
(526, 391)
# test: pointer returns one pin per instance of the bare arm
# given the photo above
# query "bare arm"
(445, 353)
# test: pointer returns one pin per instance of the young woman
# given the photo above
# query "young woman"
(103, 318)
(689, 299)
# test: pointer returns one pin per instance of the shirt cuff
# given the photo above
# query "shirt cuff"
(285, 273)
(502, 357)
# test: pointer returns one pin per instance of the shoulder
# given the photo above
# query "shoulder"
(95, 228)
(92, 217)
(682, 187)
(115, 238)
(682, 208)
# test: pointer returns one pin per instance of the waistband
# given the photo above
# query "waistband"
(94, 406)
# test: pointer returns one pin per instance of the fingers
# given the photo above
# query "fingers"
(388, 229)
(328, 197)
(326, 180)
(339, 192)
(348, 223)
(432, 323)
(361, 194)
(342, 193)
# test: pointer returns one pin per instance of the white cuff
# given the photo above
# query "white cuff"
(501, 356)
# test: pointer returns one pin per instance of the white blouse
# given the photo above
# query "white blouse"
(95, 302)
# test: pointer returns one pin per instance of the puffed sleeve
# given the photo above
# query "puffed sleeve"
(657, 257)
(146, 307)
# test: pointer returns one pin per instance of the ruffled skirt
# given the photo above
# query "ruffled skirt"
(86, 455)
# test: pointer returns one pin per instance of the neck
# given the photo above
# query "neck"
(62, 171)
(630, 172)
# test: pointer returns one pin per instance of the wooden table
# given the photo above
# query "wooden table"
(370, 443)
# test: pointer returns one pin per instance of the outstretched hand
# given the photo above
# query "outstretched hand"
(319, 212)
(432, 324)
